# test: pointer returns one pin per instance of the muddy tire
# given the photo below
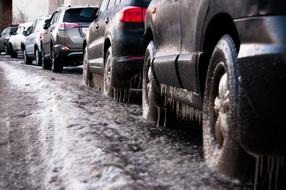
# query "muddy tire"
(47, 63)
(6, 49)
(222, 150)
(39, 58)
(150, 89)
(11, 51)
(108, 76)
(27, 59)
(57, 66)
(86, 74)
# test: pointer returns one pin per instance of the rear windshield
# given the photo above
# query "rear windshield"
(80, 15)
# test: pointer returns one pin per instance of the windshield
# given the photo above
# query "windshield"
(80, 15)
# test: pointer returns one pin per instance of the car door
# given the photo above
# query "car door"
(167, 40)
(48, 34)
(29, 39)
(193, 13)
(96, 38)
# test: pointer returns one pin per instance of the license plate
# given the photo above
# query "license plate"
(84, 30)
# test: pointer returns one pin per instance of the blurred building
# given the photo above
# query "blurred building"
(28, 10)
(5, 13)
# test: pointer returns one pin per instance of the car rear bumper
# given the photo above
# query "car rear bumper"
(69, 57)
(262, 79)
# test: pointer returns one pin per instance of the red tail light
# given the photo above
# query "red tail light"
(67, 26)
(133, 14)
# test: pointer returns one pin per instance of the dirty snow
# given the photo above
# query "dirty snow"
(68, 136)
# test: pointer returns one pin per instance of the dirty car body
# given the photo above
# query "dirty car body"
(117, 32)
(189, 35)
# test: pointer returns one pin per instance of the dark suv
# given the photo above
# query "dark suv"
(63, 39)
(5, 36)
(114, 48)
(222, 63)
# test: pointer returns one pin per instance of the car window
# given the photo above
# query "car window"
(111, 4)
(4, 31)
(54, 19)
(103, 6)
(80, 15)
(20, 30)
(39, 25)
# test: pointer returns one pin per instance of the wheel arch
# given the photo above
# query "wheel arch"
(218, 26)
(148, 36)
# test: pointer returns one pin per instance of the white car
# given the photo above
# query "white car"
(15, 41)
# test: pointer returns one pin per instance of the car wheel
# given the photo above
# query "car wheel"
(46, 64)
(57, 67)
(6, 49)
(222, 150)
(38, 55)
(150, 90)
(86, 74)
(108, 75)
(27, 59)
(11, 51)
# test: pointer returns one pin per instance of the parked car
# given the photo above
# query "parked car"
(32, 44)
(15, 41)
(222, 63)
(63, 39)
(5, 36)
(114, 46)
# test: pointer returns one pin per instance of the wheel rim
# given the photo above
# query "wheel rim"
(84, 72)
(25, 56)
(220, 101)
(107, 75)
(148, 79)
(37, 56)
(53, 59)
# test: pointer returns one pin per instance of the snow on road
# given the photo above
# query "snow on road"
(68, 136)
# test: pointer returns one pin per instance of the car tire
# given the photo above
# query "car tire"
(57, 66)
(27, 59)
(11, 51)
(39, 58)
(108, 76)
(222, 150)
(150, 89)
(6, 49)
(47, 63)
(86, 74)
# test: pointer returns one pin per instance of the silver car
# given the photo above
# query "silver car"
(32, 44)
(15, 41)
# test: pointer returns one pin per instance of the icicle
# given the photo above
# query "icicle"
(120, 94)
(272, 162)
(261, 166)
(165, 118)
(277, 172)
(158, 116)
(256, 172)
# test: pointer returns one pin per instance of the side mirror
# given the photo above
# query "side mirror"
(28, 31)
(47, 24)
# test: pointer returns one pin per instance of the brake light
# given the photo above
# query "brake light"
(67, 26)
(133, 14)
